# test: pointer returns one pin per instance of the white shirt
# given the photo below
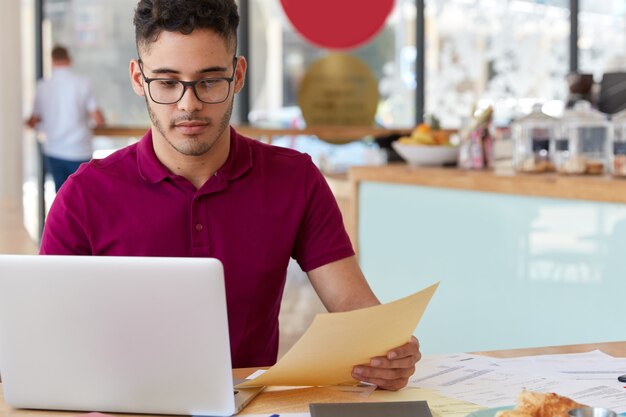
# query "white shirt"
(63, 103)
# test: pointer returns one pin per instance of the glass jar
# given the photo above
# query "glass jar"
(531, 141)
(618, 150)
(582, 143)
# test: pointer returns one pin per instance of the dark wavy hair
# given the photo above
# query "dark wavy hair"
(154, 16)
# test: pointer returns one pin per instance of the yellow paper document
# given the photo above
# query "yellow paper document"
(336, 342)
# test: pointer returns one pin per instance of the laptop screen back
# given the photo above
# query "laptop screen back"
(117, 334)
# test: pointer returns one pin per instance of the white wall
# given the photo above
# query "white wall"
(10, 102)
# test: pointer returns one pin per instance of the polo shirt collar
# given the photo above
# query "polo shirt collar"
(239, 159)
(150, 168)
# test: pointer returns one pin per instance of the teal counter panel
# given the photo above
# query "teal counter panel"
(515, 271)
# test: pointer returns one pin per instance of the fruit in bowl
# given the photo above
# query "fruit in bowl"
(423, 134)
(426, 155)
(426, 147)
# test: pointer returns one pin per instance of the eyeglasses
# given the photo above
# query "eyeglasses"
(207, 90)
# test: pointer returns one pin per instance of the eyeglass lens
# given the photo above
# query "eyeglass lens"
(207, 90)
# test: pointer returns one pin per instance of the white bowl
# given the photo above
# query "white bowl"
(426, 154)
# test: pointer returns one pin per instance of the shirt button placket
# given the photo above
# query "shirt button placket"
(199, 236)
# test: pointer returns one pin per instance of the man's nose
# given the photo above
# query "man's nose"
(189, 101)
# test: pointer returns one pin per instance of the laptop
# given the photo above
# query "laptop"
(116, 334)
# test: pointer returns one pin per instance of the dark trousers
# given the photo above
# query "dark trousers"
(61, 169)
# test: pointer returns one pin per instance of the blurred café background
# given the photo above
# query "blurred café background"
(495, 248)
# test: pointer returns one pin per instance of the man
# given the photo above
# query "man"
(193, 186)
(64, 107)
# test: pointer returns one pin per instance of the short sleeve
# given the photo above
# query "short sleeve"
(321, 237)
(64, 232)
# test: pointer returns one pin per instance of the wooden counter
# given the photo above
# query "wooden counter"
(297, 400)
(332, 134)
(593, 188)
(616, 349)
(503, 181)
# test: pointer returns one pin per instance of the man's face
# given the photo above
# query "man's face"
(190, 126)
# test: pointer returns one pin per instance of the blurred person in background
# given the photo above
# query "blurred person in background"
(65, 110)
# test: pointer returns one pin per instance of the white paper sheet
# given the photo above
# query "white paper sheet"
(493, 383)
(589, 366)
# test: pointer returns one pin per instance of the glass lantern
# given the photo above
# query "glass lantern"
(582, 143)
(531, 141)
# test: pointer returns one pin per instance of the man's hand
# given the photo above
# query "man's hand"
(391, 372)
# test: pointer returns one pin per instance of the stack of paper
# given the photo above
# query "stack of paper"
(589, 378)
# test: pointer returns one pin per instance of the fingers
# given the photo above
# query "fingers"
(391, 372)
(405, 356)
(410, 349)
(388, 379)
(383, 362)
(368, 373)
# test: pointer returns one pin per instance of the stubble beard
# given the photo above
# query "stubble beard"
(192, 145)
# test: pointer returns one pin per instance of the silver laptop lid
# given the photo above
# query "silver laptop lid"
(118, 334)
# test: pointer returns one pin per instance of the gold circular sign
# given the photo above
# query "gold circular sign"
(338, 90)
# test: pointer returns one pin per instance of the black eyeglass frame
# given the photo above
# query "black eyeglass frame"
(192, 84)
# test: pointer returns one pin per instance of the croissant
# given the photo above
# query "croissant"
(539, 404)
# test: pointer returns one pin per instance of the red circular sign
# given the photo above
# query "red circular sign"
(337, 24)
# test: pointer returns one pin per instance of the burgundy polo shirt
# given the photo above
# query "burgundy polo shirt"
(263, 206)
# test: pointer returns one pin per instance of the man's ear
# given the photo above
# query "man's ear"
(240, 73)
(136, 79)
